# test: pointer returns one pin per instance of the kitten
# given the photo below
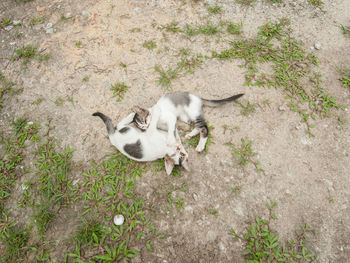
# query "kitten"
(144, 146)
(184, 106)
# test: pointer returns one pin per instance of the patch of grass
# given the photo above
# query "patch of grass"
(316, 3)
(234, 29)
(345, 30)
(37, 20)
(78, 44)
(6, 21)
(213, 10)
(172, 27)
(245, 154)
(6, 88)
(345, 77)
(236, 189)
(262, 244)
(18, 34)
(15, 240)
(214, 212)
(119, 89)
(166, 76)
(37, 101)
(150, 44)
(29, 52)
(190, 64)
(123, 65)
(59, 101)
(85, 79)
(246, 2)
(292, 66)
(248, 109)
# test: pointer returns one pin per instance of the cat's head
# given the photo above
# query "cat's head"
(142, 117)
(176, 158)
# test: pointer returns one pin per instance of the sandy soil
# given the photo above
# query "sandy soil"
(308, 177)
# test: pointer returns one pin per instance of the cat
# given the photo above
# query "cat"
(144, 146)
(184, 106)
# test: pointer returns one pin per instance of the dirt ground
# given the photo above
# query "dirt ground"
(308, 177)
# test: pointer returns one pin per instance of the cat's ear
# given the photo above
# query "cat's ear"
(138, 109)
(185, 164)
(169, 164)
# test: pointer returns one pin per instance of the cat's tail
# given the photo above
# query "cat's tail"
(107, 121)
(216, 103)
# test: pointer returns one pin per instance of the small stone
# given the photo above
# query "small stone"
(137, 10)
(305, 141)
(118, 220)
(30, 123)
(318, 45)
(195, 196)
(12, 43)
(282, 108)
(85, 13)
(49, 31)
(68, 15)
(48, 25)
(42, 80)
(17, 22)
(8, 28)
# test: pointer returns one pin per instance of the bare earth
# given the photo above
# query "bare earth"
(308, 177)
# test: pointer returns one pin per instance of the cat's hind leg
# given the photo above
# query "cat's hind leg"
(193, 133)
(202, 127)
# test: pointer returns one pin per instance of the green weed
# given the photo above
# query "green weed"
(15, 240)
(78, 44)
(345, 30)
(246, 2)
(234, 29)
(85, 79)
(250, 108)
(316, 3)
(37, 20)
(195, 139)
(263, 245)
(150, 44)
(119, 89)
(29, 52)
(245, 154)
(6, 88)
(166, 76)
(213, 10)
(345, 78)
(214, 212)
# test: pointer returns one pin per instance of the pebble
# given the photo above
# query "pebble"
(118, 220)
(68, 15)
(8, 28)
(12, 43)
(282, 108)
(195, 196)
(17, 22)
(49, 31)
(30, 123)
(137, 10)
(48, 25)
(40, 8)
(85, 13)
(318, 45)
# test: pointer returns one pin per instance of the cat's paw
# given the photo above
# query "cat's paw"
(188, 136)
(200, 148)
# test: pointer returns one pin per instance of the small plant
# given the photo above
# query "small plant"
(85, 79)
(345, 79)
(5, 22)
(123, 65)
(28, 52)
(316, 3)
(37, 101)
(15, 240)
(59, 101)
(247, 109)
(78, 44)
(263, 245)
(246, 2)
(345, 30)
(214, 9)
(119, 89)
(236, 189)
(234, 29)
(245, 154)
(150, 44)
(172, 27)
(37, 20)
(135, 30)
(166, 77)
(214, 212)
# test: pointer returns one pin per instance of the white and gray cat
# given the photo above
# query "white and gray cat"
(183, 106)
(144, 146)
